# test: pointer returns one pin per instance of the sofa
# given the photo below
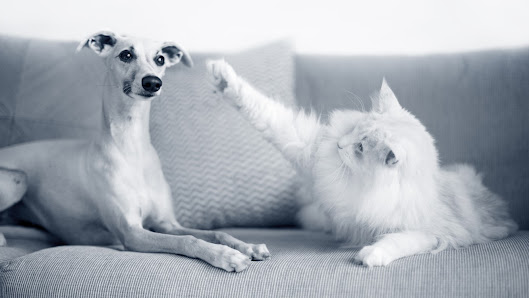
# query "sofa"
(225, 176)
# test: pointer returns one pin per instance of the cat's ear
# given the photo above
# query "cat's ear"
(385, 101)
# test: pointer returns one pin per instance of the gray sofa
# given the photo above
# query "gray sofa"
(474, 104)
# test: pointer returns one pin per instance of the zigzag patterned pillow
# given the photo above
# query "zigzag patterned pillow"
(221, 171)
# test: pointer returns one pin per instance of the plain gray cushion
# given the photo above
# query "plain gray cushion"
(476, 106)
(303, 264)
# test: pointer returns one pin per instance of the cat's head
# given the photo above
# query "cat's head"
(387, 139)
(376, 169)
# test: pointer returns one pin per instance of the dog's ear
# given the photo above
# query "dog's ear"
(176, 54)
(101, 42)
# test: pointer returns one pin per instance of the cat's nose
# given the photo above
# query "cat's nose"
(343, 143)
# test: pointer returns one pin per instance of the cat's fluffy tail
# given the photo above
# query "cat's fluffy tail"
(483, 214)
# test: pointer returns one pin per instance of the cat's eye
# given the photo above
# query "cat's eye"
(160, 60)
(391, 159)
(359, 147)
(126, 56)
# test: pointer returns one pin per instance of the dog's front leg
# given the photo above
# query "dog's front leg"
(134, 237)
(256, 252)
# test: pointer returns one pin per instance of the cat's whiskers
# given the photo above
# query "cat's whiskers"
(337, 174)
(357, 100)
(344, 172)
(328, 138)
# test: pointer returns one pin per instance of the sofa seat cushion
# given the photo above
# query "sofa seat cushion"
(303, 264)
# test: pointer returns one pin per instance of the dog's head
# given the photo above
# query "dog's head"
(136, 65)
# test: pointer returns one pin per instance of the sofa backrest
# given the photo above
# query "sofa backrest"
(474, 104)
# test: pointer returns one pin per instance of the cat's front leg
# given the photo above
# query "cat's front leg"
(395, 246)
(293, 132)
(225, 81)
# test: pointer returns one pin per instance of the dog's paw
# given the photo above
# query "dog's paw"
(231, 260)
(223, 78)
(257, 252)
(372, 256)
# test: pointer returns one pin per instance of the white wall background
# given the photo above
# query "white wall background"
(324, 26)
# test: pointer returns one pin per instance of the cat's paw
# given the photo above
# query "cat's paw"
(223, 78)
(257, 252)
(372, 256)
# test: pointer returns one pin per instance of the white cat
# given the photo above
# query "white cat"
(374, 176)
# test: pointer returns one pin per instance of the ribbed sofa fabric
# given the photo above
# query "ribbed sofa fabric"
(303, 264)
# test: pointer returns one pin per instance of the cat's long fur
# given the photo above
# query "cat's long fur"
(373, 177)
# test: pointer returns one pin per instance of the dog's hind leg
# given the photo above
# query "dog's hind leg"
(13, 186)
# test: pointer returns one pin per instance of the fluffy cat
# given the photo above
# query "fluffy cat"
(374, 177)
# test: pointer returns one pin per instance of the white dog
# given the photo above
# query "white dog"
(112, 189)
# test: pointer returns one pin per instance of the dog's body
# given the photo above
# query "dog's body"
(112, 189)
(68, 180)
(57, 200)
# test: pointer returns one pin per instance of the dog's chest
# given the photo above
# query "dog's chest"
(143, 187)
(134, 180)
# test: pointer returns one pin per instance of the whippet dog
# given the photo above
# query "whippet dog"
(111, 189)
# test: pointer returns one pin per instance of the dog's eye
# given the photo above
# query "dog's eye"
(160, 60)
(125, 56)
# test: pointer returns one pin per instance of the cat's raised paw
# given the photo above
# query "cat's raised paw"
(223, 78)
(372, 256)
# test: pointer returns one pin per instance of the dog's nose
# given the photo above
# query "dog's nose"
(151, 83)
